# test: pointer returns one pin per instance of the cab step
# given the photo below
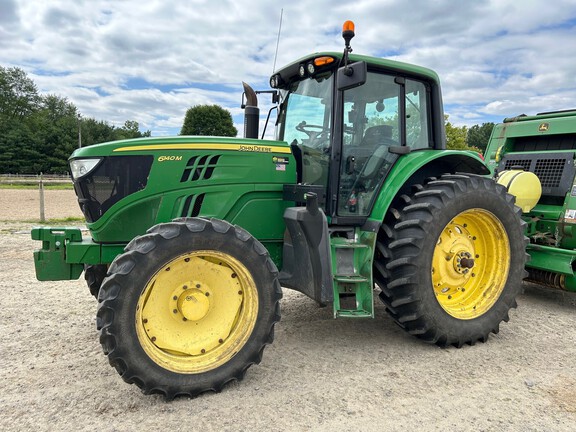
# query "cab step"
(352, 278)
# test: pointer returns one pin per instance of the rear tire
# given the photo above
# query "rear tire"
(450, 259)
(188, 307)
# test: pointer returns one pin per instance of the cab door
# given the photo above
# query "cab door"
(383, 119)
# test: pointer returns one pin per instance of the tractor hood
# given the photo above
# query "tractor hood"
(179, 143)
(125, 187)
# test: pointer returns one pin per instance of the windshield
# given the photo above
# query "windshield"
(304, 121)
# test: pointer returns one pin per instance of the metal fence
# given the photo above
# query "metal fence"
(34, 178)
(41, 180)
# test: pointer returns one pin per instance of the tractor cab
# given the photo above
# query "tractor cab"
(348, 119)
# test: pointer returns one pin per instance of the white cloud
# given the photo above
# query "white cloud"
(494, 57)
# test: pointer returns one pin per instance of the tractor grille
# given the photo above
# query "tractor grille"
(115, 178)
(555, 172)
(192, 205)
(199, 168)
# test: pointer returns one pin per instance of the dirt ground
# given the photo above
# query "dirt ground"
(320, 374)
(24, 204)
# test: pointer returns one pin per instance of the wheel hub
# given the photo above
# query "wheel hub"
(463, 262)
(194, 304)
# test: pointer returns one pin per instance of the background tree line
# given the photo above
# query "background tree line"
(468, 138)
(39, 132)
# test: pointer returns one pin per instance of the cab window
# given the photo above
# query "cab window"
(372, 125)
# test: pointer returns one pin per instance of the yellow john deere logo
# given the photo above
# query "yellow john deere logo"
(543, 127)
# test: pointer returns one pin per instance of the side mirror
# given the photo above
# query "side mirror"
(352, 75)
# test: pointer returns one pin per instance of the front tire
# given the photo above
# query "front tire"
(94, 274)
(450, 260)
(188, 307)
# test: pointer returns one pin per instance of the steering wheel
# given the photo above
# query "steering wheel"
(317, 136)
(311, 130)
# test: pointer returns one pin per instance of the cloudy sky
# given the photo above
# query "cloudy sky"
(151, 60)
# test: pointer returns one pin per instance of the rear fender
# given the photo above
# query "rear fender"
(417, 166)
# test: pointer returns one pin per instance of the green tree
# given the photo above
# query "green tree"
(211, 120)
(18, 95)
(19, 100)
(456, 136)
(478, 136)
(131, 129)
(38, 133)
(56, 125)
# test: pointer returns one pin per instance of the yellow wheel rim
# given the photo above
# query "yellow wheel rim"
(470, 264)
(197, 312)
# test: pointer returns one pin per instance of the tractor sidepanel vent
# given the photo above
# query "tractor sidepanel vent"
(199, 168)
(192, 205)
(556, 171)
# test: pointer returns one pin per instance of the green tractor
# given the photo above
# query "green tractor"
(533, 156)
(192, 238)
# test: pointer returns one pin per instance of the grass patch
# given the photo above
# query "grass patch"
(30, 186)
(60, 221)
(65, 220)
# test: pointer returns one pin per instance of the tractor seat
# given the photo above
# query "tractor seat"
(377, 135)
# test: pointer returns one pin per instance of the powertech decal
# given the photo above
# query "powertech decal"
(280, 160)
(205, 146)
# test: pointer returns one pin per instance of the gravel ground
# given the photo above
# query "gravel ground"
(320, 374)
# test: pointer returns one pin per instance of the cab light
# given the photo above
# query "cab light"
(348, 26)
(310, 68)
(274, 81)
(81, 167)
(323, 61)
(302, 70)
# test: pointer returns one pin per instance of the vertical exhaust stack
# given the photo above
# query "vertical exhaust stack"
(251, 112)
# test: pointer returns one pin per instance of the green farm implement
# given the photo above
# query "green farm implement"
(533, 156)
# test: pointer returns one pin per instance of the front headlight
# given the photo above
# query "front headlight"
(81, 167)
